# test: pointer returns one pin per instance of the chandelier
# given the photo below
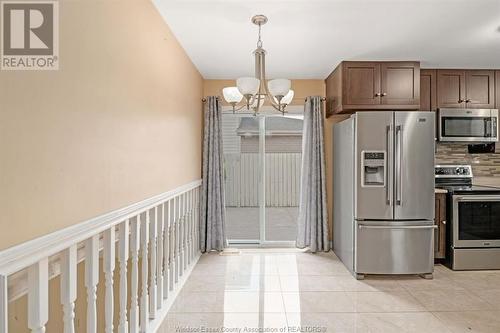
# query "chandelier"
(255, 90)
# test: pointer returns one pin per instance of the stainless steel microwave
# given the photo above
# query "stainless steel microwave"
(468, 125)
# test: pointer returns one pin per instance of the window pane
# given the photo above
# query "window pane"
(283, 164)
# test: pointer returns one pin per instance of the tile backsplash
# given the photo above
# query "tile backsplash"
(483, 165)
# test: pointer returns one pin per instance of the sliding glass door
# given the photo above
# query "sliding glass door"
(262, 160)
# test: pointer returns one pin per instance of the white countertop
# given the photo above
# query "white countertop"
(440, 190)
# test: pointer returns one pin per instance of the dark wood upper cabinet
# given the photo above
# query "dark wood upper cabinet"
(450, 88)
(400, 83)
(428, 90)
(465, 89)
(361, 85)
(480, 89)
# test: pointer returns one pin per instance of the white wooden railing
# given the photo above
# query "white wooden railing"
(159, 235)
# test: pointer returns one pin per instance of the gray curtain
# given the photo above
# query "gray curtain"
(312, 221)
(212, 213)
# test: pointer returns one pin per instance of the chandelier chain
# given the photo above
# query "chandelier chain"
(259, 42)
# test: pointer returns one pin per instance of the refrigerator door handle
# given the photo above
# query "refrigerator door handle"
(388, 188)
(397, 227)
(399, 164)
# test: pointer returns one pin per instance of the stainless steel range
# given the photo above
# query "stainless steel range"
(473, 241)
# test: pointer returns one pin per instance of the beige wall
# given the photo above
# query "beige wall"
(119, 122)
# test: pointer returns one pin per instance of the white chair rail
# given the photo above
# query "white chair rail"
(159, 235)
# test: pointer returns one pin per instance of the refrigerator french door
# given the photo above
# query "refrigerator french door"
(394, 192)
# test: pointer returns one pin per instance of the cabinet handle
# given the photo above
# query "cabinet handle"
(461, 101)
(384, 94)
(468, 101)
(443, 222)
(378, 94)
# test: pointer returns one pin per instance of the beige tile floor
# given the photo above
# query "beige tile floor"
(287, 290)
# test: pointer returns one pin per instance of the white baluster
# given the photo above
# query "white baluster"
(153, 233)
(172, 244)
(123, 233)
(177, 239)
(4, 304)
(175, 248)
(166, 249)
(69, 287)
(134, 284)
(38, 296)
(191, 234)
(197, 221)
(183, 232)
(144, 267)
(159, 278)
(109, 267)
(91, 280)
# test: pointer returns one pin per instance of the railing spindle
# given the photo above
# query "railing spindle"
(191, 232)
(184, 233)
(166, 249)
(38, 296)
(123, 246)
(109, 267)
(159, 263)
(144, 269)
(176, 239)
(91, 280)
(134, 283)
(153, 234)
(68, 287)
(172, 245)
(4, 304)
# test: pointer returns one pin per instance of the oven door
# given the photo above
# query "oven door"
(476, 221)
(468, 125)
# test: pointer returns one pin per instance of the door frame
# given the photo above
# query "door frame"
(294, 111)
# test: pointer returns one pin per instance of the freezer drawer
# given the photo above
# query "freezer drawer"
(394, 247)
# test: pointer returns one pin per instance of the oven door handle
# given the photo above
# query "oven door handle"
(475, 198)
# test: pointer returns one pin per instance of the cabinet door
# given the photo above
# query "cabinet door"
(440, 221)
(400, 83)
(361, 83)
(428, 90)
(451, 89)
(480, 89)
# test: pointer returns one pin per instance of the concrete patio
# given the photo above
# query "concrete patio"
(243, 223)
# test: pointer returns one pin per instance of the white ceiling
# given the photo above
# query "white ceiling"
(308, 38)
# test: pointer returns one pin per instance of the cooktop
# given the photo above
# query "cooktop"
(457, 178)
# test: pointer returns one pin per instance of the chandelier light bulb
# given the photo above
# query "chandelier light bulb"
(232, 95)
(288, 97)
(248, 85)
(279, 87)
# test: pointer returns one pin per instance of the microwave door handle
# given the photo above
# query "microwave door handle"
(487, 127)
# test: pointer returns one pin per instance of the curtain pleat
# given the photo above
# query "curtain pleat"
(312, 221)
(212, 210)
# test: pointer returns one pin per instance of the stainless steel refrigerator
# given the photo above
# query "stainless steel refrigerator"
(384, 192)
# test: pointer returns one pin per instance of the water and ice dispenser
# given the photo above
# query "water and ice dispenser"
(373, 168)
